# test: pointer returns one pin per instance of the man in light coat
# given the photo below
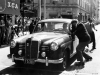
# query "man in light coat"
(90, 26)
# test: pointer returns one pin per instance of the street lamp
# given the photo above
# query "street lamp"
(44, 9)
(39, 9)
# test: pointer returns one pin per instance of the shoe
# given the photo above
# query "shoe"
(79, 64)
(88, 59)
(92, 50)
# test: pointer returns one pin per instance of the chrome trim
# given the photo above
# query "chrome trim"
(46, 61)
(30, 48)
(19, 59)
(50, 61)
(43, 60)
(39, 42)
(43, 48)
(25, 49)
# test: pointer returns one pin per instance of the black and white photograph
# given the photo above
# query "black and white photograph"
(49, 37)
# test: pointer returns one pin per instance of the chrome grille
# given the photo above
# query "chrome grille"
(32, 49)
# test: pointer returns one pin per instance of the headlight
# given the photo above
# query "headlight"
(20, 52)
(54, 46)
(12, 44)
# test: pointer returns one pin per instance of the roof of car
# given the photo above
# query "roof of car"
(56, 20)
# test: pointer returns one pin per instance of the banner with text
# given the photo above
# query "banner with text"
(10, 7)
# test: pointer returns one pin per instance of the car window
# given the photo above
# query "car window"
(52, 26)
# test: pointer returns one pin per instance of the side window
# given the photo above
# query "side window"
(37, 28)
(65, 25)
(41, 27)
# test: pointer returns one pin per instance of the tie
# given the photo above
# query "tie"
(90, 25)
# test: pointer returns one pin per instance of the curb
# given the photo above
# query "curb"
(2, 46)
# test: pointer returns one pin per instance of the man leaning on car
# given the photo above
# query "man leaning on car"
(80, 31)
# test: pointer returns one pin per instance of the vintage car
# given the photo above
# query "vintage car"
(50, 43)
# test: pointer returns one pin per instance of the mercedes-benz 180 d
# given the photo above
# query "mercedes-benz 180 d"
(50, 43)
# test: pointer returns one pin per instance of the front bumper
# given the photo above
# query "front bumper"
(46, 61)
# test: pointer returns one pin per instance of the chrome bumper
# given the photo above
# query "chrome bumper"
(47, 61)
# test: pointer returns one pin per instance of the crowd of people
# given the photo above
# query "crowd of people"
(5, 30)
(8, 30)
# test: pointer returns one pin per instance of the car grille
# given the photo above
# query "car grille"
(32, 49)
(35, 49)
(43, 48)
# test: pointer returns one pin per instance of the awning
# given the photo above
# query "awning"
(10, 7)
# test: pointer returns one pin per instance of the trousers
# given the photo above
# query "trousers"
(92, 34)
(80, 51)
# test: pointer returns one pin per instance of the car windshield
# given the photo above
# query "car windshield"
(52, 27)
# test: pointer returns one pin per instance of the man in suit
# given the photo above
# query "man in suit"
(90, 26)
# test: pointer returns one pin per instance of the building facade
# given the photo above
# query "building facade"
(99, 11)
(79, 9)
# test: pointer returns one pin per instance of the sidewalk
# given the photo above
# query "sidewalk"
(92, 67)
(2, 46)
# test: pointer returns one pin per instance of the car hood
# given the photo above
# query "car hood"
(45, 37)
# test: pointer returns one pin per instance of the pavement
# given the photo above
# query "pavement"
(2, 46)
(92, 67)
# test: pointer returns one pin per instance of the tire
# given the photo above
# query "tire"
(64, 65)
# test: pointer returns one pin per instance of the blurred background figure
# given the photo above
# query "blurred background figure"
(2, 32)
(31, 27)
(90, 26)
(65, 27)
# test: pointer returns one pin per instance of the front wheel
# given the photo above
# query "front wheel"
(64, 65)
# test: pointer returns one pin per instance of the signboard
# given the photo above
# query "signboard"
(10, 7)
(2, 5)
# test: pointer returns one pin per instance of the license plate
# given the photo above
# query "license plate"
(29, 61)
